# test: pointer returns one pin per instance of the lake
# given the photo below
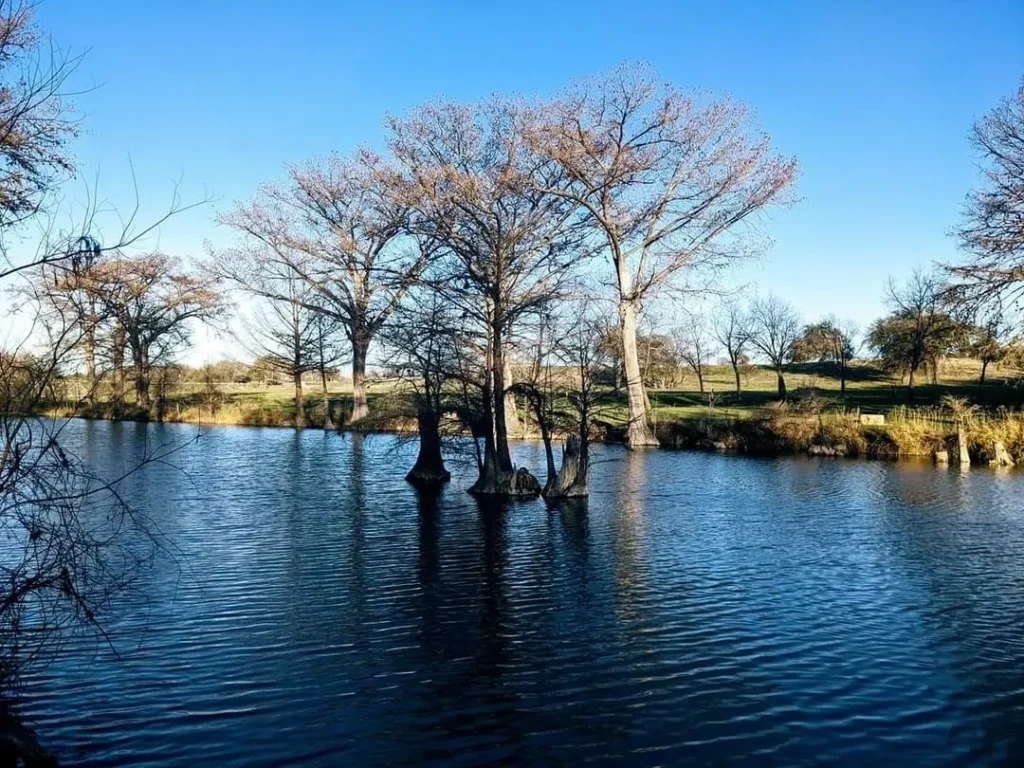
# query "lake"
(701, 609)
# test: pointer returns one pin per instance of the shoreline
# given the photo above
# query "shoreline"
(990, 441)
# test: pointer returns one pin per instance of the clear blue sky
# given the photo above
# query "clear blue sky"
(875, 98)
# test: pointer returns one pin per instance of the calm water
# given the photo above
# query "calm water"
(703, 609)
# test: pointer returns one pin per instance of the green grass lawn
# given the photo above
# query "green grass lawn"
(869, 390)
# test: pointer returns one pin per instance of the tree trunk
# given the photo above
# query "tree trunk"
(910, 383)
(360, 347)
(572, 478)
(537, 401)
(638, 433)
(512, 421)
(429, 469)
(328, 421)
(700, 379)
(90, 361)
(497, 475)
(781, 383)
(498, 402)
(117, 375)
(736, 373)
(842, 382)
(984, 369)
(161, 396)
(300, 401)
(489, 481)
(141, 361)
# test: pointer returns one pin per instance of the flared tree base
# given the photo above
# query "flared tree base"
(428, 477)
(571, 480)
(519, 484)
(640, 435)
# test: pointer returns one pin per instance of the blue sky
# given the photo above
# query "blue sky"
(875, 98)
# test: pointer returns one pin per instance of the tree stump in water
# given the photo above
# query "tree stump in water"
(961, 441)
(517, 484)
(1000, 456)
(525, 484)
(571, 481)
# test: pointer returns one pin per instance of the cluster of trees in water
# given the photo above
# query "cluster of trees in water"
(520, 236)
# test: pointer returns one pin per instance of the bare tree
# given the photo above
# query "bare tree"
(426, 346)
(669, 183)
(285, 336)
(64, 291)
(694, 343)
(475, 189)
(774, 328)
(71, 545)
(288, 330)
(36, 123)
(579, 351)
(564, 395)
(993, 232)
(155, 302)
(730, 329)
(340, 225)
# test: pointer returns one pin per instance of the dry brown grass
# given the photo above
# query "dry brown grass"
(813, 418)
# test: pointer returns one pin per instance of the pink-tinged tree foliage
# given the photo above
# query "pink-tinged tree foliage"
(340, 225)
(671, 183)
(504, 244)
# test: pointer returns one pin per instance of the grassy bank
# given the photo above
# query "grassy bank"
(906, 432)
(816, 419)
(249, 404)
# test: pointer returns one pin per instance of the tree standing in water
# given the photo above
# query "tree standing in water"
(475, 187)
(428, 350)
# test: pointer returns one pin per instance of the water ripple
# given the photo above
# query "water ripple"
(701, 610)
